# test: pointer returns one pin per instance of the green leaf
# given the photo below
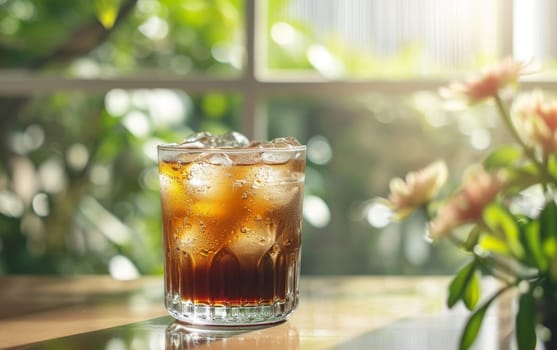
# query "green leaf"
(521, 177)
(474, 323)
(460, 282)
(500, 221)
(548, 220)
(552, 165)
(548, 233)
(494, 245)
(553, 268)
(532, 242)
(472, 328)
(504, 156)
(107, 11)
(472, 291)
(526, 323)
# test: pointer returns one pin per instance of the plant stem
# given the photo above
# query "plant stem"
(505, 115)
(472, 239)
(546, 166)
(457, 241)
(501, 274)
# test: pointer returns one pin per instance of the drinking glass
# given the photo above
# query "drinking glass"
(232, 222)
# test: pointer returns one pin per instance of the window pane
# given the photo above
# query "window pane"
(355, 146)
(382, 39)
(534, 31)
(79, 179)
(138, 37)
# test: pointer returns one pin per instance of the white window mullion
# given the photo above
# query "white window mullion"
(254, 118)
(506, 27)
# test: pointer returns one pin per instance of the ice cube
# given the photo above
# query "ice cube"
(218, 159)
(252, 240)
(199, 140)
(270, 175)
(209, 188)
(275, 157)
(207, 179)
(173, 194)
(232, 139)
(286, 142)
(194, 238)
(186, 236)
(273, 186)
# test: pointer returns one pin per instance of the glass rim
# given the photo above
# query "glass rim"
(174, 147)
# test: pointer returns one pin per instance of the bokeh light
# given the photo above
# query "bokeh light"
(316, 211)
(122, 268)
(319, 150)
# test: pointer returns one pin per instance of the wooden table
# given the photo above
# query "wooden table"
(97, 312)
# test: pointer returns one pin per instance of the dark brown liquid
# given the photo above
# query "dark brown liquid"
(231, 233)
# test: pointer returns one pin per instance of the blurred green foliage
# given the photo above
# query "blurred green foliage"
(172, 37)
(78, 176)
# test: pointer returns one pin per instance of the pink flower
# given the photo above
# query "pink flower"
(466, 206)
(536, 118)
(419, 188)
(486, 84)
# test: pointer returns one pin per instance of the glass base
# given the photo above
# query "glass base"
(221, 315)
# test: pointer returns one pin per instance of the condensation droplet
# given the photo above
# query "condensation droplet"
(238, 183)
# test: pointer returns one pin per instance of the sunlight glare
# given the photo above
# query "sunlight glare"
(166, 107)
(53, 176)
(378, 215)
(526, 36)
(100, 174)
(11, 204)
(117, 102)
(77, 156)
(316, 211)
(121, 268)
(319, 150)
(283, 33)
(324, 61)
(40, 204)
(137, 123)
(480, 139)
(154, 28)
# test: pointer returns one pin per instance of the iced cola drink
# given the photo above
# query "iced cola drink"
(232, 228)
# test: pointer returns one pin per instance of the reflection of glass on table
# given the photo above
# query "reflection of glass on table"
(283, 336)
